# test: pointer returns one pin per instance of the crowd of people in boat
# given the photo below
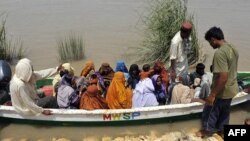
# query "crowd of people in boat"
(108, 88)
(122, 88)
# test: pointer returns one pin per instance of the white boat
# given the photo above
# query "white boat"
(145, 115)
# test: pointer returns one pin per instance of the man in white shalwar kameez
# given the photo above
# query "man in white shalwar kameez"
(23, 91)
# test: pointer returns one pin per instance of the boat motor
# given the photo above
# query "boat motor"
(5, 77)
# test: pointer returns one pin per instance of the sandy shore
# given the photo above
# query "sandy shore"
(171, 136)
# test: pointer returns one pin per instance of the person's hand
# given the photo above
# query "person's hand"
(60, 67)
(173, 75)
(210, 100)
(47, 112)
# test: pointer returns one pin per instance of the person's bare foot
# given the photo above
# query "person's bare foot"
(221, 134)
(247, 121)
(200, 133)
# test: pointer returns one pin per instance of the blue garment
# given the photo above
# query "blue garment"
(160, 91)
(120, 66)
(215, 117)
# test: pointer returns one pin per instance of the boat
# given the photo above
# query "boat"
(105, 117)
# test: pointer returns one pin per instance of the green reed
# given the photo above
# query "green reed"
(71, 48)
(9, 51)
(161, 24)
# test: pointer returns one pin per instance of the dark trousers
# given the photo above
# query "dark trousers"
(215, 117)
(47, 102)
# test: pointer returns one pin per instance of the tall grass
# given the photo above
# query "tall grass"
(71, 48)
(9, 51)
(161, 24)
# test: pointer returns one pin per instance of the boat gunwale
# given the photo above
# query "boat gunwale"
(245, 97)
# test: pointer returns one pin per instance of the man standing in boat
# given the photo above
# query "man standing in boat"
(180, 47)
(224, 85)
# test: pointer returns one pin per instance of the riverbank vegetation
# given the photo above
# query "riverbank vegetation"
(9, 50)
(71, 48)
(161, 24)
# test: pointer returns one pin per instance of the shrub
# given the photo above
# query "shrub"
(71, 48)
(9, 51)
(161, 24)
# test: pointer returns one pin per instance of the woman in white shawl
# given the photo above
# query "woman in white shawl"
(143, 94)
(23, 93)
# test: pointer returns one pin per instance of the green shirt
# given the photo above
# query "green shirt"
(226, 60)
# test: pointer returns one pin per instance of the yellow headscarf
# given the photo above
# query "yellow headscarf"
(119, 97)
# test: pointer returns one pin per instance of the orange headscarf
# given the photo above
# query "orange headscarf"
(119, 97)
(91, 99)
(163, 72)
(88, 67)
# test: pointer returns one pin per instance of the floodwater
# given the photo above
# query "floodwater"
(109, 28)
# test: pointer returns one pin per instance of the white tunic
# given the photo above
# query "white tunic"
(177, 53)
(23, 90)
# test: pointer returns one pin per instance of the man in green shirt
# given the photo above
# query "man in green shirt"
(224, 86)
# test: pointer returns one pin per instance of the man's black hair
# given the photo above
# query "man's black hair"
(146, 67)
(214, 32)
(200, 66)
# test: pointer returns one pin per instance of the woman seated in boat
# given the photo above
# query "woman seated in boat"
(23, 91)
(162, 71)
(118, 96)
(105, 76)
(134, 76)
(143, 94)
(68, 96)
(66, 69)
(91, 99)
(182, 94)
(160, 90)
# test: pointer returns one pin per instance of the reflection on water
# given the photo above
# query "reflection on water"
(109, 27)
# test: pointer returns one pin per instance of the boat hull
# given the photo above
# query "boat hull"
(145, 115)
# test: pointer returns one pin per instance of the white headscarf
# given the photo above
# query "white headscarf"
(143, 94)
(24, 70)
